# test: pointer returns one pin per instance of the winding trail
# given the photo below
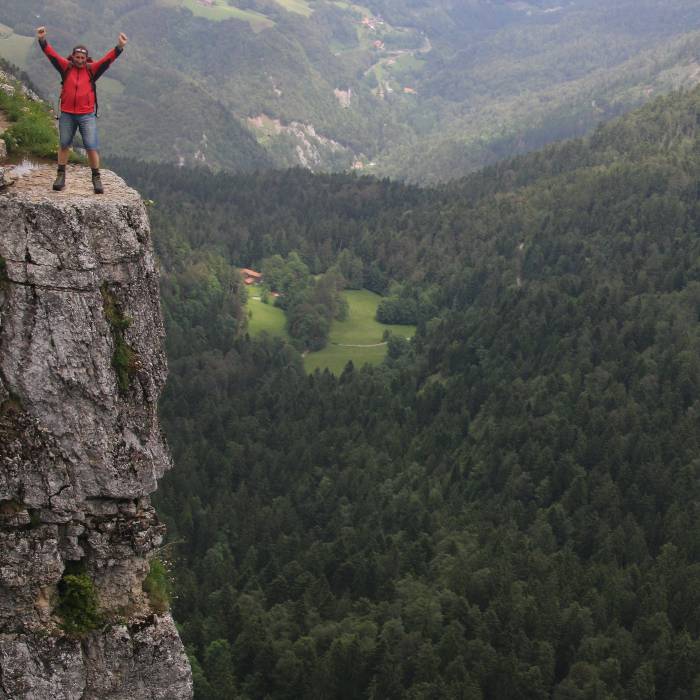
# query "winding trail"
(520, 255)
(347, 345)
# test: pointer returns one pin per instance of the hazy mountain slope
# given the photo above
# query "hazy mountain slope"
(494, 131)
(423, 90)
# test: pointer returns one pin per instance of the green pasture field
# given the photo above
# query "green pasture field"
(407, 63)
(14, 47)
(220, 10)
(300, 7)
(110, 87)
(334, 358)
(360, 328)
(357, 9)
(265, 317)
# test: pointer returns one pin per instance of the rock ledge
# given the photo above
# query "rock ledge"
(81, 369)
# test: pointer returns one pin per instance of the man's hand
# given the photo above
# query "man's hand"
(122, 40)
(41, 33)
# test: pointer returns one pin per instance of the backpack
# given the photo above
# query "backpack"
(93, 82)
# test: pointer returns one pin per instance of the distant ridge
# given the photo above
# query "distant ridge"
(424, 91)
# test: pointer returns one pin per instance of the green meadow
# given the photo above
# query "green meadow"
(406, 64)
(359, 338)
(14, 47)
(334, 358)
(359, 329)
(110, 87)
(219, 10)
(265, 317)
(300, 7)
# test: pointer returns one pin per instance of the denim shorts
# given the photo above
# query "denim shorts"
(69, 123)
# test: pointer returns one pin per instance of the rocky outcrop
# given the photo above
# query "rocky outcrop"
(81, 368)
(309, 148)
(6, 176)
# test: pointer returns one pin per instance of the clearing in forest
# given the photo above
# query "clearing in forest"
(359, 338)
(265, 317)
(219, 10)
(299, 7)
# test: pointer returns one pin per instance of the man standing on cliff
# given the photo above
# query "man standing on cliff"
(79, 103)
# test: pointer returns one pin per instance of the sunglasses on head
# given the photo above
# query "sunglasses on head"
(80, 51)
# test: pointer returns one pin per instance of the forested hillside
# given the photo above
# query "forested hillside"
(424, 90)
(508, 507)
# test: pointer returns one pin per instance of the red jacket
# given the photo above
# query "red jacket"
(78, 95)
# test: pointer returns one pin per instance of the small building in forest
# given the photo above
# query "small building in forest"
(251, 276)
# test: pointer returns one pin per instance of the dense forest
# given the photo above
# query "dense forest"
(508, 506)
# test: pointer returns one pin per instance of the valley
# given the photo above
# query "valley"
(419, 91)
(496, 500)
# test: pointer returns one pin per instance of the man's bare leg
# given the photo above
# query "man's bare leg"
(63, 154)
(94, 159)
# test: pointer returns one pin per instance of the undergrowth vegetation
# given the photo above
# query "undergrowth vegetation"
(78, 604)
(32, 129)
(158, 586)
(124, 357)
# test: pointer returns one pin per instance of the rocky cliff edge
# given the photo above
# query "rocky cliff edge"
(81, 368)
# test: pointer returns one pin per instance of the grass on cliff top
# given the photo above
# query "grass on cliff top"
(32, 129)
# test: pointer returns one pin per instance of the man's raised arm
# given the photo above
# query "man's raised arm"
(58, 62)
(99, 67)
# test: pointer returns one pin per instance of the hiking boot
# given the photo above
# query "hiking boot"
(60, 182)
(97, 184)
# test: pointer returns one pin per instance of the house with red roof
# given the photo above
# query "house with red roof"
(251, 276)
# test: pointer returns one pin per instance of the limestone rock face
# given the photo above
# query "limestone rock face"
(81, 368)
(6, 173)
